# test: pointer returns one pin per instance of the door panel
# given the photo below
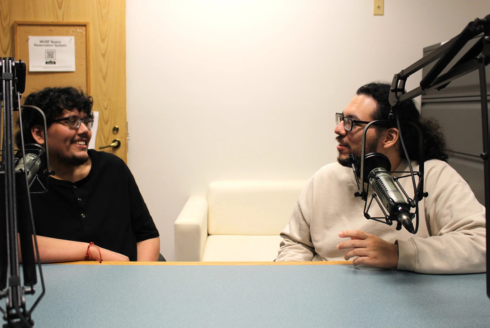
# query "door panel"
(107, 55)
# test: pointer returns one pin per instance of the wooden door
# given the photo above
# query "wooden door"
(107, 55)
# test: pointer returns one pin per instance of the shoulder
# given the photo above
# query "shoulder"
(106, 163)
(331, 176)
(332, 181)
(436, 164)
(102, 158)
(333, 171)
(438, 169)
(441, 178)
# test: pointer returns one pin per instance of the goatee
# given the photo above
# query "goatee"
(73, 160)
(343, 161)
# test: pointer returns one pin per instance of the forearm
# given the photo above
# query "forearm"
(291, 250)
(296, 244)
(60, 250)
(452, 253)
(148, 250)
(53, 250)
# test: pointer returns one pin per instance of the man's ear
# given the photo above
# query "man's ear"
(37, 132)
(391, 137)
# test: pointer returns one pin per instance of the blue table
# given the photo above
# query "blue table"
(255, 295)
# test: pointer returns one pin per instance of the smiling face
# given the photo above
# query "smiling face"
(67, 146)
(360, 108)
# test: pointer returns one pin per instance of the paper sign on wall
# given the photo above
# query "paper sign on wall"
(91, 144)
(51, 54)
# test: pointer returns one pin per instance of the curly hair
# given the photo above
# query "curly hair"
(52, 101)
(433, 140)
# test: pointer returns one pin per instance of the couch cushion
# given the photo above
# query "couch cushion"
(224, 248)
(251, 207)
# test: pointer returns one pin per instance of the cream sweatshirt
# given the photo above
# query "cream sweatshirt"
(450, 238)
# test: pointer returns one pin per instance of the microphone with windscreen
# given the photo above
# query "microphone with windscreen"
(30, 164)
(376, 172)
(34, 165)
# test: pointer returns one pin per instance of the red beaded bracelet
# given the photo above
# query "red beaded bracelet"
(89, 253)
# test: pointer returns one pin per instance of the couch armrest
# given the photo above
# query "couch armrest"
(191, 230)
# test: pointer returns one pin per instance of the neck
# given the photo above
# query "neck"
(70, 173)
(395, 162)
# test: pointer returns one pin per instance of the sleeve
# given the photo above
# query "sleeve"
(456, 224)
(141, 221)
(296, 244)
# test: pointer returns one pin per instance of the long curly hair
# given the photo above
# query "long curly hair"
(434, 143)
(52, 101)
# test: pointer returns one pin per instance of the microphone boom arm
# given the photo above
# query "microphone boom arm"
(476, 58)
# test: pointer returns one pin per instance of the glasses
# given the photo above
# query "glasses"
(73, 122)
(348, 122)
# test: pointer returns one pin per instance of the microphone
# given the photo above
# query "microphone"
(378, 166)
(31, 162)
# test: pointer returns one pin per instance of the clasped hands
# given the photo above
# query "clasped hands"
(369, 249)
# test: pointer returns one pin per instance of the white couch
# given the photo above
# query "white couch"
(237, 221)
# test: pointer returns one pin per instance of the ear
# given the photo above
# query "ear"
(390, 138)
(38, 134)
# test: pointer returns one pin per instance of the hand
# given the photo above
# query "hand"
(369, 249)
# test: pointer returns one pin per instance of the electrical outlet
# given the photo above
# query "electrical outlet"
(379, 7)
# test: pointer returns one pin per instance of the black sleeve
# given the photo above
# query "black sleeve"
(141, 221)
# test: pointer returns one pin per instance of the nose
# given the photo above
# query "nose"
(339, 129)
(82, 128)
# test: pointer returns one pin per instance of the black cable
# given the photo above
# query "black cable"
(412, 174)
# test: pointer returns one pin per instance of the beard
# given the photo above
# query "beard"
(73, 160)
(371, 147)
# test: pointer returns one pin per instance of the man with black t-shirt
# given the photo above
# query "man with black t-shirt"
(93, 203)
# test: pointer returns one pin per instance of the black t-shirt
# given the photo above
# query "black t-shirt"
(105, 207)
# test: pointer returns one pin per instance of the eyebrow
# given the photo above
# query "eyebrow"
(351, 116)
(79, 116)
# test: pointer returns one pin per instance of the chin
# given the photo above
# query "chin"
(343, 161)
(74, 160)
(81, 159)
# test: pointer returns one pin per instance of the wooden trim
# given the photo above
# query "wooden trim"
(211, 263)
(89, 68)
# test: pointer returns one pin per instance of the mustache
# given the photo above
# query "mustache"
(341, 142)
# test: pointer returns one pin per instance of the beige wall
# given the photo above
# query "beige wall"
(248, 89)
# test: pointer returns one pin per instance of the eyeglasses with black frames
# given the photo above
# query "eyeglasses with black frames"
(348, 122)
(74, 122)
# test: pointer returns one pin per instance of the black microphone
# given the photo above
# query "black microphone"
(378, 166)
